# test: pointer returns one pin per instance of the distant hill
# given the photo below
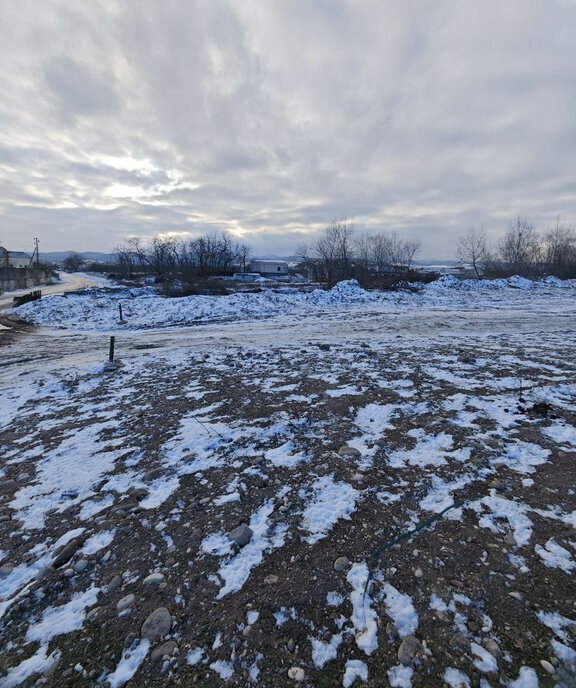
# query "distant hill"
(60, 256)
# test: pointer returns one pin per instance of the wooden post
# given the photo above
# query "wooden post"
(111, 356)
(120, 309)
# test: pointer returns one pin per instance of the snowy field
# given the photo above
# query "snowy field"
(213, 511)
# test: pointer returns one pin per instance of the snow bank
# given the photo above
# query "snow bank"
(98, 309)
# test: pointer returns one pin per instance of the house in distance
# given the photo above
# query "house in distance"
(269, 268)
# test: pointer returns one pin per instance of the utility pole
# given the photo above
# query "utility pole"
(35, 253)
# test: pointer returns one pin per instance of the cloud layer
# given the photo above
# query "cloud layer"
(268, 119)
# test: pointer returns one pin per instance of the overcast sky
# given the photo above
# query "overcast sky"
(269, 118)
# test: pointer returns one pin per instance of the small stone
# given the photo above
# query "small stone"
(492, 647)
(341, 564)
(153, 473)
(158, 624)
(153, 579)
(68, 573)
(516, 595)
(459, 642)
(291, 645)
(6, 570)
(349, 452)
(241, 535)
(271, 579)
(418, 573)
(4, 518)
(93, 613)
(81, 565)
(66, 553)
(510, 540)
(497, 485)
(42, 573)
(166, 649)
(547, 666)
(410, 648)
(115, 583)
(129, 639)
(125, 602)
(296, 674)
(247, 630)
(138, 493)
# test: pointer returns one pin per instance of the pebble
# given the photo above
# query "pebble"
(166, 649)
(409, 649)
(92, 613)
(4, 518)
(158, 623)
(125, 602)
(341, 564)
(153, 579)
(510, 540)
(271, 579)
(516, 595)
(349, 452)
(65, 554)
(153, 473)
(497, 485)
(459, 642)
(296, 674)
(547, 666)
(241, 535)
(115, 583)
(418, 573)
(6, 570)
(492, 647)
(81, 565)
(291, 645)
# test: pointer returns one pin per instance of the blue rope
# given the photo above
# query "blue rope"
(409, 534)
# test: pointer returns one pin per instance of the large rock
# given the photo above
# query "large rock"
(241, 535)
(157, 624)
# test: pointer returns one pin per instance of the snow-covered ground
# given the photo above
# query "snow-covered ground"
(142, 308)
(329, 424)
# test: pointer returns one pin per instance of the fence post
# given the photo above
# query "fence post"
(111, 356)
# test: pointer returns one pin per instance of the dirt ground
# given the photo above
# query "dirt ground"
(486, 387)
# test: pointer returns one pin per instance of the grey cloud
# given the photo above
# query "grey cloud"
(78, 90)
(276, 117)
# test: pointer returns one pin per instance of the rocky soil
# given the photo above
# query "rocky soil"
(211, 512)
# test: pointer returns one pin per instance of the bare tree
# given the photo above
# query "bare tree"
(334, 251)
(559, 250)
(73, 262)
(520, 248)
(472, 248)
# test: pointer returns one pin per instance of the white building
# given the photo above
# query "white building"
(269, 268)
(14, 259)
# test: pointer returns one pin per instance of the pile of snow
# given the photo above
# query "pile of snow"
(451, 283)
(142, 308)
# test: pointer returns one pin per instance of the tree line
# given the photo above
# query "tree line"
(341, 253)
(522, 251)
(204, 256)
